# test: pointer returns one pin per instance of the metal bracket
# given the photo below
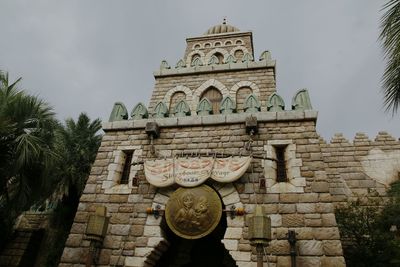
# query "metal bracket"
(251, 125)
(152, 129)
(156, 212)
(233, 212)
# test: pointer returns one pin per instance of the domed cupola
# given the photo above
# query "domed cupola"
(221, 28)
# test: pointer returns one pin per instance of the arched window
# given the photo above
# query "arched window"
(215, 97)
(197, 46)
(228, 43)
(217, 44)
(175, 98)
(241, 95)
(239, 55)
(194, 57)
(220, 57)
(207, 45)
(238, 42)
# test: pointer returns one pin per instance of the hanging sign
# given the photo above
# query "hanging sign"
(191, 172)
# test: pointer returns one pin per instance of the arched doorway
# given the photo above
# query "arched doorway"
(206, 251)
(215, 97)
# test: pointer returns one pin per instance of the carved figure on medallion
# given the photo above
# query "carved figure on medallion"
(192, 213)
(186, 216)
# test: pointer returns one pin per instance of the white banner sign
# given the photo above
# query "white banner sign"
(190, 172)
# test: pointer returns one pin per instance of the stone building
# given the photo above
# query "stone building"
(216, 123)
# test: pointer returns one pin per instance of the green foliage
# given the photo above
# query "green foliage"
(40, 158)
(390, 37)
(77, 144)
(27, 126)
(365, 226)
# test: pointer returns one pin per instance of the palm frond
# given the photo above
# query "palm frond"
(390, 37)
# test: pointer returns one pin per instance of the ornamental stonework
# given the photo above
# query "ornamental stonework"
(195, 179)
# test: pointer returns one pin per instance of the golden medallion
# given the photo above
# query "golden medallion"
(192, 213)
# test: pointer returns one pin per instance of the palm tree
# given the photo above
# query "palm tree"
(27, 126)
(78, 144)
(390, 37)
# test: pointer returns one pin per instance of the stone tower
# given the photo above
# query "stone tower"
(214, 121)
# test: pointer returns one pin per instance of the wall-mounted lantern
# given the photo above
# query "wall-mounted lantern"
(96, 230)
(259, 232)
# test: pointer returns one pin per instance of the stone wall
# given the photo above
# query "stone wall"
(261, 81)
(361, 167)
(207, 43)
(133, 236)
(319, 174)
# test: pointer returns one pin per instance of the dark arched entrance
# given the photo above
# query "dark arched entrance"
(206, 251)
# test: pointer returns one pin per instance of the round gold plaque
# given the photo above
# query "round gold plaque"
(192, 213)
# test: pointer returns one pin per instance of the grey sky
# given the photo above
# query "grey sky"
(86, 55)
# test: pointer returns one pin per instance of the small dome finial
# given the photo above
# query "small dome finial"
(224, 21)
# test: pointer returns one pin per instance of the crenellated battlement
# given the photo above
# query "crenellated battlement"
(362, 166)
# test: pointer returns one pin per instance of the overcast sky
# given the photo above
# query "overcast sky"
(86, 55)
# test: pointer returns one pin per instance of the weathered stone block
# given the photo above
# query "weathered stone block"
(240, 255)
(332, 247)
(238, 221)
(313, 222)
(276, 220)
(309, 261)
(154, 241)
(141, 241)
(74, 240)
(120, 218)
(142, 252)
(305, 207)
(230, 244)
(278, 247)
(309, 197)
(289, 198)
(328, 219)
(304, 233)
(231, 199)
(152, 231)
(137, 230)
(119, 229)
(320, 187)
(134, 261)
(283, 261)
(292, 220)
(324, 207)
(287, 208)
(333, 262)
(310, 248)
(104, 257)
(73, 255)
(233, 233)
(112, 241)
(326, 233)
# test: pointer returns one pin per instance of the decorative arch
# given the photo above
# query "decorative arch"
(228, 42)
(237, 86)
(179, 88)
(240, 47)
(238, 42)
(199, 91)
(157, 242)
(214, 97)
(216, 50)
(190, 55)
(196, 46)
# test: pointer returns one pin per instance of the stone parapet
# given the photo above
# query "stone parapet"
(215, 68)
(307, 115)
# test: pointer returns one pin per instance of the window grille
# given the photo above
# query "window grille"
(127, 167)
(281, 175)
